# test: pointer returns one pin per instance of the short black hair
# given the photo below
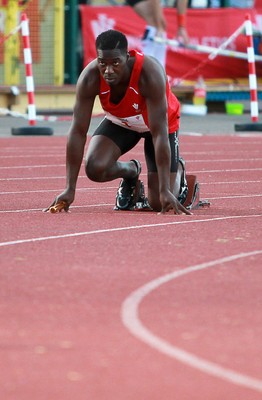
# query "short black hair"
(110, 40)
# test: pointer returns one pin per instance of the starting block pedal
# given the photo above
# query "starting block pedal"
(193, 201)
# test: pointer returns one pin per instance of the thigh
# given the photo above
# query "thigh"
(152, 177)
(150, 152)
(145, 10)
(113, 137)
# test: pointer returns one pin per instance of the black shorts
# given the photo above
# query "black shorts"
(126, 139)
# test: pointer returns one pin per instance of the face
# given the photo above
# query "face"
(112, 65)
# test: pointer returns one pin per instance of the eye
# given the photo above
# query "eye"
(116, 63)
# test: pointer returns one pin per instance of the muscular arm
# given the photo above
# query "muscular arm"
(182, 34)
(181, 6)
(154, 89)
(86, 91)
(77, 139)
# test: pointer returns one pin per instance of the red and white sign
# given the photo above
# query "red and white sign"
(209, 27)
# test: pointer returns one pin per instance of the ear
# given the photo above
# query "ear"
(127, 55)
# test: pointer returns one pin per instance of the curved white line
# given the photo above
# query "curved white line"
(130, 318)
(125, 228)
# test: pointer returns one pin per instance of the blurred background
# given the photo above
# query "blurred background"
(62, 35)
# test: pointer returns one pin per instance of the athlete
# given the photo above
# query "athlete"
(152, 13)
(138, 103)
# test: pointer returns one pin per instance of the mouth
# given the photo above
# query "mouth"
(110, 79)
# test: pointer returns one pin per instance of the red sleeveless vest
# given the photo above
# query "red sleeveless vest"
(131, 111)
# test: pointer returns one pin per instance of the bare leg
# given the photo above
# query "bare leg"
(144, 10)
(153, 188)
(152, 13)
(102, 163)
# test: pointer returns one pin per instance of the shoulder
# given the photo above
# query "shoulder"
(153, 77)
(89, 80)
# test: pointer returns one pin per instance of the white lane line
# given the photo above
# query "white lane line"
(229, 182)
(39, 149)
(110, 204)
(198, 153)
(206, 171)
(218, 152)
(33, 166)
(241, 135)
(114, 187)
(46, 155)
(40, 209)
(40, 178)
(224, 160)
(125, 228)
(84, 189)
(220, 140)
(239, 196)
(130, 318)
(225, 170)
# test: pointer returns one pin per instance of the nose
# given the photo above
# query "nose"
(109, 69)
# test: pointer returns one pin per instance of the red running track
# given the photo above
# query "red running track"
(105, 305)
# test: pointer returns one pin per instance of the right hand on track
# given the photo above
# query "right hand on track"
(61, 202)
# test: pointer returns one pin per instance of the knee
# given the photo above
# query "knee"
(95, 170)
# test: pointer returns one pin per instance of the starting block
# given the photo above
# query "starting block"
(193, 201)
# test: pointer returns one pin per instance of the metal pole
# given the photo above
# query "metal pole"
(71, 32)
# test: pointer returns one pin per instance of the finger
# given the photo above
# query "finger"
(66, 208)
(165, 209)
(58, 207)
(177, 211)
(48, 208)
(180, 209)
(185, 210)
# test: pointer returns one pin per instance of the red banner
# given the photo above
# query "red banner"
(209, 27)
